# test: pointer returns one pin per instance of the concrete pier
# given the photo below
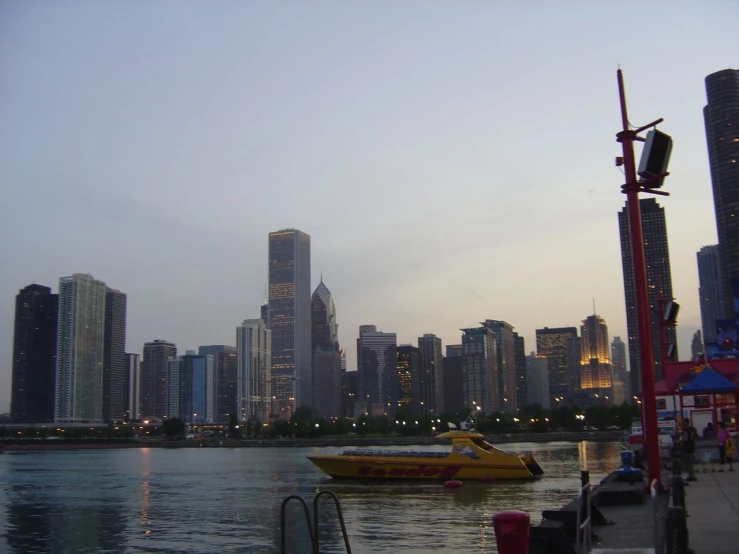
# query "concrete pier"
(713, 511)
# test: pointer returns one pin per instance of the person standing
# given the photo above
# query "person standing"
(687, 439)
(724, 440)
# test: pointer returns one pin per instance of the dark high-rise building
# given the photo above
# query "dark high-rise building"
(34, 355)
(349, 392)
(409, 378)
(552, 343)
(520, 364)
(186, 397)
(289, 316)
(620, 375)
(710, 290)
(505, 363)
(721, 116)
(154, 378)
(453, 379)
(376, 364)
(114, 356)
(432, 374)
(696, 346)
(221, 377)
(659, 277)
(327, 382)
(479, 369)
(133, 387)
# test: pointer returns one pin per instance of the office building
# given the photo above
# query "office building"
(327, 370)
(186, 395)
(479, 369)
(520, 365)
(409, 378)
(505, 364)
(696, 346)
(221, 382)
(432, 374)
(80, 348)
(552, 343)
(133, 387)
(596, 369)
(255, 397)
(114, 356)
(721, 116)
(538, 387)
(154, 378)
(620, 377)
(290, 320)
(34, 355)
(659, 278)
(452, 364)
(710, 290)
(376, 363)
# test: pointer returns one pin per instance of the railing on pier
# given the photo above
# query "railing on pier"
(312, 523)
(583, 530)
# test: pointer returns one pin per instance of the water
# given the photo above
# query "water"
(219, 500)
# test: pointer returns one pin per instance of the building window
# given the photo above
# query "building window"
(702, 400)
(661, 404)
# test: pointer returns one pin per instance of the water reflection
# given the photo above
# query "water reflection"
(228, 500)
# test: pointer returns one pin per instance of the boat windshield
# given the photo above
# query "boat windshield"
(482, 444)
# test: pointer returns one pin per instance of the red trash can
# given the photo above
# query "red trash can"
(512, 532)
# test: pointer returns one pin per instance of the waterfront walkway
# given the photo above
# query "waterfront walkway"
(713, 512)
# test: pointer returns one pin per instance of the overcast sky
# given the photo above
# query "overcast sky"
(452, 161)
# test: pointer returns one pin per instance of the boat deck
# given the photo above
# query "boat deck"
(395, 453)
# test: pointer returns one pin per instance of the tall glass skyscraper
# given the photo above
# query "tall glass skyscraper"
(289, 319)
(114, 357)
(659, 278)
(710, 290)
(721, 116)
(80, 347)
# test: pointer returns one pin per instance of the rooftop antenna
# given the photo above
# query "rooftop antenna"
(594, 312)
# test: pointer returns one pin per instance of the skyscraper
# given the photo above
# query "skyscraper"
(721, 116)
(254, 391)
(537, 369)
(520, 363)
(290, 319)
(114, 356)
(80, 348)
(696, 345)
(186, 396)
(552, 343)
(479, 369)
(34, 355)
(710, 290)
(432, 374)
(154, 378)
(659, 278)
(453, 378)
(327, 398)
(378, 378)
(505, 364)
(620, 383)
(409, 378)
(596, 368)
(221, 382)
(133, 387)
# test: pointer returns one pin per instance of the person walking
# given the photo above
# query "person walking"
(687, 439)
(725, 447)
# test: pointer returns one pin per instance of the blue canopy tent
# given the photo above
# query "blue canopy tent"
(710, 382)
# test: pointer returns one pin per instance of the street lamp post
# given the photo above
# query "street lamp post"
(632, 188)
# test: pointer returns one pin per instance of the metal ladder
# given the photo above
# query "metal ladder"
(312, 523)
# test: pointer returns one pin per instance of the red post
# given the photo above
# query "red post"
(512, 532)
(646, 356)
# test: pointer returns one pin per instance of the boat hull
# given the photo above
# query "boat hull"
(359, 467)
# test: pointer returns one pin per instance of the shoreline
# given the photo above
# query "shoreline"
(21, 445)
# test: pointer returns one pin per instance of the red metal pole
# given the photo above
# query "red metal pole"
(646, 357)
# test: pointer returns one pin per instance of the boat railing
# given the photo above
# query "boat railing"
(312, 522)
(395, 453)
(583, 529)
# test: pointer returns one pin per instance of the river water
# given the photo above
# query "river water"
(227, 500)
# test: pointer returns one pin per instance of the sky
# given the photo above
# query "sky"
(452, 161)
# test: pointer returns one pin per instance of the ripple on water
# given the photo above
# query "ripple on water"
(228, 500)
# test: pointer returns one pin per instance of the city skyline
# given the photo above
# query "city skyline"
(110, 166)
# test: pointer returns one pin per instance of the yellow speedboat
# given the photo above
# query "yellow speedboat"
(470, 458)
